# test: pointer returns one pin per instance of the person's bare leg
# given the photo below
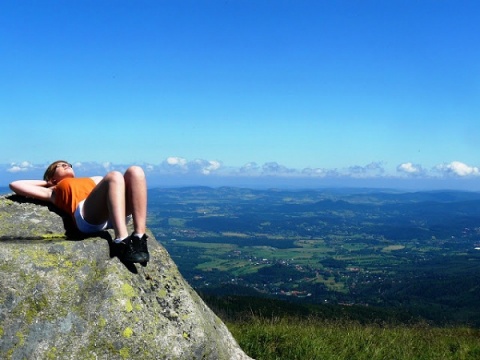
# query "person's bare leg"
(136, 205)
(107, 201)
(136, 197)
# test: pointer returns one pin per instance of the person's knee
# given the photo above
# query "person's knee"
(135, 172)
(114, 176)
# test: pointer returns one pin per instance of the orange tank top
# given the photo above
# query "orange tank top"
(70, 191)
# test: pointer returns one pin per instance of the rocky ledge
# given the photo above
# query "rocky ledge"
(67, 297)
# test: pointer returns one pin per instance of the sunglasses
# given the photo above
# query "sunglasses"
(64, 165)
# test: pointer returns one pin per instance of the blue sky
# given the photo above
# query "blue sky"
(381, 93)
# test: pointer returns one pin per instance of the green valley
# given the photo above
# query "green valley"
(417, 252)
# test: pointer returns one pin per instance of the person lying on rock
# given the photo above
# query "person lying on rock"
(97, 203)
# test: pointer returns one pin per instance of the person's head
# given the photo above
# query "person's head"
(58, 170)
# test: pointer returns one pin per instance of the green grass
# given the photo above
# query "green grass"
(289, 338)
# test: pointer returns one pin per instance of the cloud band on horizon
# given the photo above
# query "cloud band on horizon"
(175, 165)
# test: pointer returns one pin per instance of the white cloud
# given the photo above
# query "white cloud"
(251, 168)
(108, 166)
(174, 164)
(370, 170)
(459, 169)
(205, 167)
(176, 161)
(410, 169)
(319, 172)
(23, 166)
(15, 169)
(272, 168)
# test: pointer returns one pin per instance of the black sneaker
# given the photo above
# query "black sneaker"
(134, 249)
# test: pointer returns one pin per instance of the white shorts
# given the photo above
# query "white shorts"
(85, 227)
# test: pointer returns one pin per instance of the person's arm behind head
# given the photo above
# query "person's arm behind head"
(37, 189)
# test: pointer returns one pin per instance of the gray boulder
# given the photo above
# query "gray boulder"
(72, 299)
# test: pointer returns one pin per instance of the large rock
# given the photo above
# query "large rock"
(70, 299)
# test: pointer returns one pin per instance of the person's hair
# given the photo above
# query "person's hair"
(51, 169)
